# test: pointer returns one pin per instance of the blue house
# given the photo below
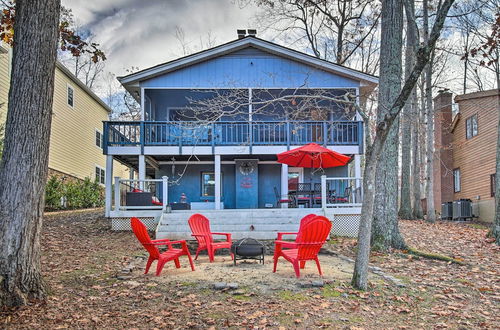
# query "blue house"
(213, 122)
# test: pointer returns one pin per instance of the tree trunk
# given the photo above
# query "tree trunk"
(360, 273)
(385, 231)
(496, 223)
(23, 170)
(417, 212)
(405, 209)
(429, 188)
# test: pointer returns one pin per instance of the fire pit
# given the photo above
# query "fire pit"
(248, 248)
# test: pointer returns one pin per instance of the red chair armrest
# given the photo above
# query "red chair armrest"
(160, 240)
(286, 244)
(228, 235)
(280, 235)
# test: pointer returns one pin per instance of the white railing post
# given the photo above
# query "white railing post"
(165, 193)
(323, 192)
(218, 183)
(284, 184)
(109, 185)
(117, 193)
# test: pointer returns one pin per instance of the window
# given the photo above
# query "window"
(471, 126)
(456, 180)
(71, 96)
(208, 184)
(493, 185)
(98, 139)
(100, 175)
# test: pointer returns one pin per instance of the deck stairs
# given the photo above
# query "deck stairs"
(256, 223)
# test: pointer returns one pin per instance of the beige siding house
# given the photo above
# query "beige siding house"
(78, 113)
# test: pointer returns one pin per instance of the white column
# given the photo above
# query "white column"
(117, 193)
(109, 185)
(357, 175)
(165, 192)
(323, 192)
(142, 171)
(217, 172)
(284, 184)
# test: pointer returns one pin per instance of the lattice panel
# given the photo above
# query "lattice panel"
(346, 225)
(124, 223)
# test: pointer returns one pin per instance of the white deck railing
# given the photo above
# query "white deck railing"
(341, 192)
(122, 187)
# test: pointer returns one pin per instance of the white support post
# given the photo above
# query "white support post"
(357, 175)
(323, 192)
(217, 172)
(142, 171)
(109, 186)
(165, 193)
(284, 184)
(117, 193)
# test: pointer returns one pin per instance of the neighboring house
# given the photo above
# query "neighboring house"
(230, 162)
(465, 150)
(76, 132)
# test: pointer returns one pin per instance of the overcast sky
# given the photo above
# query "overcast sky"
(142, 33)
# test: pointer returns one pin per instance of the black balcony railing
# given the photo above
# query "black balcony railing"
(170, 133)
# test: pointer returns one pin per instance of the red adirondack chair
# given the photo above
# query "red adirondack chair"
(303, 221)
(151, 246)
(200, 227)
(309, 241)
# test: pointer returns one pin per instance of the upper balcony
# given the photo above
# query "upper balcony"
(144, 134)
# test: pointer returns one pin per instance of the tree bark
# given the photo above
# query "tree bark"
(23, 169)
(408, 116)
(385, 231)
(360, 274)
(429, 188)
(496, 223)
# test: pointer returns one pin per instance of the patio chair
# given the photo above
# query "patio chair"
(309, 241)
(303, 222)
(151, 246)
(280, 200)
(345, 198)
(200, 227)
(303, 194)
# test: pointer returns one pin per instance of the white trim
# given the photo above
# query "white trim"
(191, 88)
(108, 185)
(68, 87)
(241, 44)
(221, 150)
(218, 183)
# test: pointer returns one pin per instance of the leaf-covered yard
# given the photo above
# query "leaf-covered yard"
(82, 258)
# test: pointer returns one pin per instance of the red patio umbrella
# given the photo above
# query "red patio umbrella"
(313, 155)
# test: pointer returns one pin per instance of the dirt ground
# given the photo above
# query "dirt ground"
(83, 263)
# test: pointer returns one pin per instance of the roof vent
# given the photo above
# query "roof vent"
(241, 33)
(246, 33)
(251, 32)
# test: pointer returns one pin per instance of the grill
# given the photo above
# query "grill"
(248, 248)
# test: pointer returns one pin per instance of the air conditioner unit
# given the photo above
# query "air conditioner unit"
(462, 209)
(447, 211)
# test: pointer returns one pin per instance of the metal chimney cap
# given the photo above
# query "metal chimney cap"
(252, 32)
(241, 33)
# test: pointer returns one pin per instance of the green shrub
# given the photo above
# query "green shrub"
(54, 191)
(75, 194)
